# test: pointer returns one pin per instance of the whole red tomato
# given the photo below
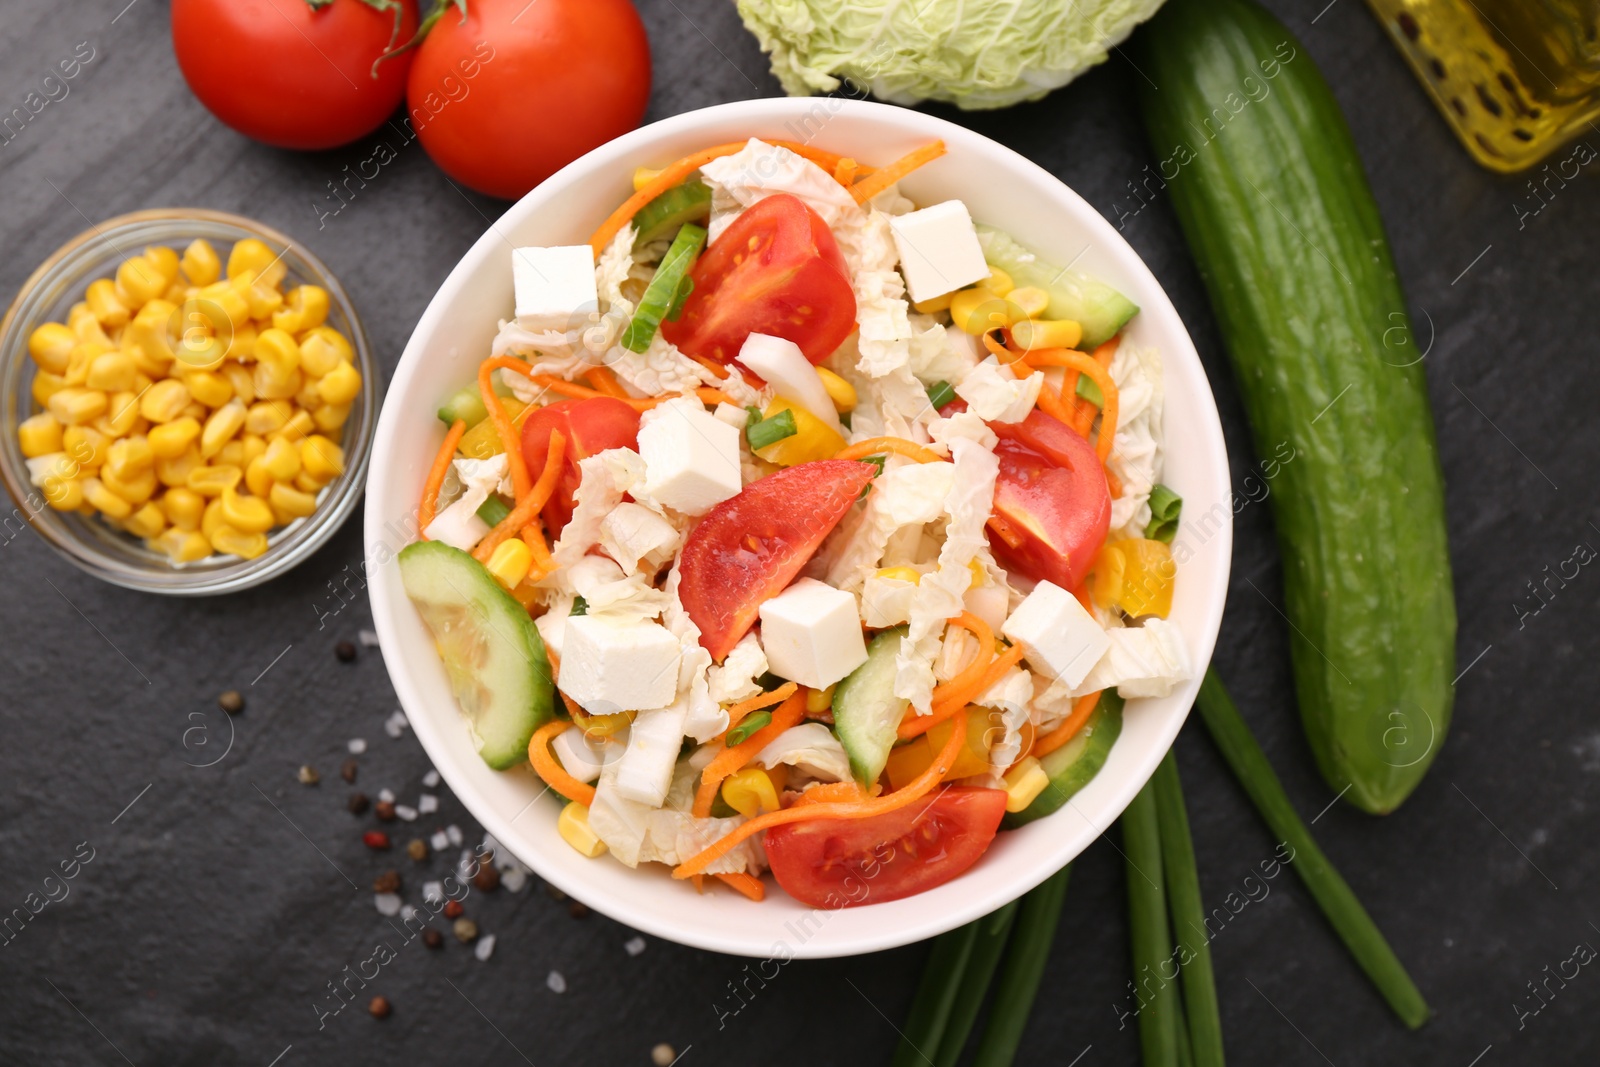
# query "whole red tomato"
(290, 75)
(513, 91)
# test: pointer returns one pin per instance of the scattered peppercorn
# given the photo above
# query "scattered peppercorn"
(663, 1055)
(555, 894)
(465, 930)
(380, 1008)
(417, 849)
(578, 909)
(309, 775)
(345, 651)
(432, 938)
(453, 909)
(358, 803)
(384, 809)
(231, 702)
(348, 771)
(376, 839)
(487, 879)
(387, 882)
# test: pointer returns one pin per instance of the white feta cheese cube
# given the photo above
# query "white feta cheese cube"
(1059, 638)
(691, 460)
(552, 625)
(939, 250)
(988, 602)
(1142, 661)
(610, 667)
(886, 601)
(555, 287)
(812, 634)
(633, 533)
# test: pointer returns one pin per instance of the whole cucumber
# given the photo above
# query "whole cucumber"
(1267, 185)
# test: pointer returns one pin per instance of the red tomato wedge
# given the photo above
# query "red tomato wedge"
(749, 547)
(776, 270)
(1051, 504)
(844, 863)
(589, 426)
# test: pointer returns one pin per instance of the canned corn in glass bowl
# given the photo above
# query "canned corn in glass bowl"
(188, 402)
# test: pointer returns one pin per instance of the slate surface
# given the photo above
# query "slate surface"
(215, 909)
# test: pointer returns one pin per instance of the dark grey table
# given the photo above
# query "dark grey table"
(216, 911)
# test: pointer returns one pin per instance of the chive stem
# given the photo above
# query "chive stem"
(1149, 935)
(993, 930)
(1188, 917)
(1025, 960)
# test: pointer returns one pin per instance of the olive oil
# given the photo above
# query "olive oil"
(1516, 79)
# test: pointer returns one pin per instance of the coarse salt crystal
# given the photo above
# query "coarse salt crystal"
(556, 982)
(454, 833)
(427, 803)
(368, 638)
(433, 891)
(634, 945)
(514, 879)
(430, 779)
(439, 840)
(386, 795)
(409, 814)
(407, 912)
(357, 745)
(388, 903)
(485, 947)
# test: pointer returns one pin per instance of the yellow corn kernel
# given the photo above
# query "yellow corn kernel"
(841, 392)
(262, 299)
(305, 308)
(247, 514)
(242, 345)
(135, 489)
(220, 428)
(330, 418)
(175, 470)
(287, 500)
(50, 344)
(196, 411)
(298, 428)
(79, 360)
(183, 507)
(122, 415)
(147, 522)
(820, 699)
(87, 446)
(129, 456)
(103, 500)
(222, 306)
(308, 483)
(934, 305)
(169, 440)
(164, 401)
(976, 310)
(148, 338)
(85, 325)
(165, 262)
(275, 383)
(74, 405)
(282, 460)
(63, 494)
(749, 792)
(241, 381)
(1024, 782)
(200, 263)
(321, 458)
(643, 176)
(105, 305)
(511, 562)
(252, 255)
(238, 543)
(183, 546)
(257, 478)
(231, 455)
(111, 371)
(212, 481)
(1046, 333)
(47, 385)
(278, 348)
(998, 282)
(322, 349)
(177, 292)
(267, 417)
(573, 825)
(210, 388)
(901, 574)
(39, 435)
(342, 384)
(1031, 299)
(308, 398)
(254, 446)
(139, 281)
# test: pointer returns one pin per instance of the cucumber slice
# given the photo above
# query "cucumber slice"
(866, 713)
(661, 217)
(662, 293)
(1074, 764)
(489, 645)
(1091, 303)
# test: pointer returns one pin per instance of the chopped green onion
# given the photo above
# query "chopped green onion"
(1331, 892)
(875, 461)
(1165, 507)
(1204, 1020)
(747, 726)
(993, 930)
(936, 995)
(580, 606)
(662, 292)
(1089, 389)
(755, 416)
(771, 431)
(1014, 994)
(1149, 933)
(493, 510)
(940, 394)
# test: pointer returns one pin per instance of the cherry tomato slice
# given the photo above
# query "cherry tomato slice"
(1051, 504)
(845, 863)
(591, 425)
(776, 270)
(749, 547)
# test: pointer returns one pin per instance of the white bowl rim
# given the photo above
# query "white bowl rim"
(907, 925)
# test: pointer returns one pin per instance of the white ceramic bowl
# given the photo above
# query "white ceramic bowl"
(1002, 189)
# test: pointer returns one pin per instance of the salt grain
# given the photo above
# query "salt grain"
(556, 982)
(407, 912)
(388, 903)
(433, 892)
(440, 840)
(396, 724)
(633, 946)
(357, 745)
(386, 795)
(485, 949)
(514, 879)
(453, 832)
(427, 803)
(430, 779)
(368, 639)
(407, 813)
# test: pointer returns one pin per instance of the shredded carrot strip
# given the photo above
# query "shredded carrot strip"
(898, 445)
(867, 188)
(547, 767)
(1113, 483)
(528, 505)
(718, 371)
(968, 676)
(914, 790)
(670, 175)
(831, 793)
(573, 389)
(436, 473)
(1069, 728)
(707, 395)
(828, 161)
(845, 172)
(958, 699)
(729, 760)
(606, 382)
(502, 421)
(533, 537)
(1073, 360)
(1004, 530)
(759, 701)
(1050, 401)
(749, 885)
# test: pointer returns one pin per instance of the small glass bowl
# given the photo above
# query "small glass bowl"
(87, 541)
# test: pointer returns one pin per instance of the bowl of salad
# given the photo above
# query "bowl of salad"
(798, 528)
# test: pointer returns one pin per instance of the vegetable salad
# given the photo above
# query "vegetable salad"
(791, 525)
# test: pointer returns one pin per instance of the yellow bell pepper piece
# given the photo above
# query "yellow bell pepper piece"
(813, 439)
(1135, 575)
(908, 761)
